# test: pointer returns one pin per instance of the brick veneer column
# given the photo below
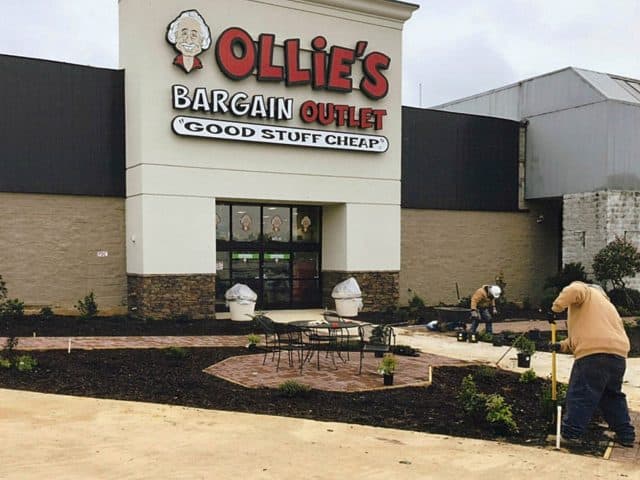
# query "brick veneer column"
(163, 296)
(380, 290)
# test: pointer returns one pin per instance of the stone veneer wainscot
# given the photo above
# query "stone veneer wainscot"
(380, 290)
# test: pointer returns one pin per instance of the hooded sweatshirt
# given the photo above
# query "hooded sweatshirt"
(593, 322)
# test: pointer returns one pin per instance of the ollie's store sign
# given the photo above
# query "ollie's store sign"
(238, 56)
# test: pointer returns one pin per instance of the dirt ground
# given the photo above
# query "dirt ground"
(163, 376)
(53, 436)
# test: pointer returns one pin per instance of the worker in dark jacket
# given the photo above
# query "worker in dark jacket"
(483, 307)
(597, 339)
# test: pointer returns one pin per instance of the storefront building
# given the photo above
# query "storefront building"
(263, 146)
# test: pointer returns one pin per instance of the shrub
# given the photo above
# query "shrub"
(3, 289)
(527, 376)
(626, 298)
(619, 259)
(25, 363)
(484, 337)
(178, 353)
(416, 308)
(499, 414)
(571, 272)
(470, 399)
(87, 307)
(524, 345)
(547, 404)
(485, 372)
(12, 308)
(465, 302)
(46, 313)
(292, 388)
(253, 339)
(5, 362)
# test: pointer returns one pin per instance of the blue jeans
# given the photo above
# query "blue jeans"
(596, 381)
(485, 316)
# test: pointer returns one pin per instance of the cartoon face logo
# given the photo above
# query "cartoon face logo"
(276, 223)
(189, 35)
(305, 223)
(245, 222)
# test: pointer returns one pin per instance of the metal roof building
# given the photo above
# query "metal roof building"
(582, 145)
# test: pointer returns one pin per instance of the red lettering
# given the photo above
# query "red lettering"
(309, 111)
(233, 66)
(377, 115)
(365, 118)
(374, 84)
(295, 75)
(341, 112)
(267, 71)
(352, 121)
(340, 61)
(326, 114)
(319, 61)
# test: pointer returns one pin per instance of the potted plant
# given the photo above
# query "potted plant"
(252, 340)
(377, 338)
(525, 349)
(387, 367)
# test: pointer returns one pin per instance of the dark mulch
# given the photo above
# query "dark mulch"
(154, 375)
(62, 326)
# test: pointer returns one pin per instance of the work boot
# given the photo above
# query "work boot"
(625, 442)
(570, 442)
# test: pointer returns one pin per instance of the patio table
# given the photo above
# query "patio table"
(329, 336)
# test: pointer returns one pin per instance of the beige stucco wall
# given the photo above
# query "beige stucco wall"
(442, 247)
(50, 246)
(162, 164)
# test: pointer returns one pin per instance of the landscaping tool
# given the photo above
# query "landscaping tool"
(554, 386)
(510, 347)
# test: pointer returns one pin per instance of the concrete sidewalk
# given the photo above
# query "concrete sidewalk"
(53, 436)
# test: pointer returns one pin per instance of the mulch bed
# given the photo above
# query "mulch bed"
(62, 326)
(161, 376)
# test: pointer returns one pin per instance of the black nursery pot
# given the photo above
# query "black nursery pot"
(473, 338)
(524, 360)
(388, 378)
(497, 340)
(462, 336)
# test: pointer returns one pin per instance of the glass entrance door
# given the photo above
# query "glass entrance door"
(274, 249)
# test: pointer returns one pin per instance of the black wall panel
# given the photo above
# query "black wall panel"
(456, 161)
(61, 128)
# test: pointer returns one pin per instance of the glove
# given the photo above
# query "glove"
(475, 314)
(494, 311)
(555, 347)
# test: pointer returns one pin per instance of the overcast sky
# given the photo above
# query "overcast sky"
(452, 48)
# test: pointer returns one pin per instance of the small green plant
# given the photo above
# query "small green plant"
(546, 401)
(46, 313)
(177, 353)
(416, 308)
(470, 399)
(253, 338)
(87, 307)
(12, 308)
(527, 376)
(25, 363)
(388, 364)
(292, 388)
(524, 345)
(485, 337)
(5, 362)
(465, 302)
(485, 372)
(499, 414)
(10, 346)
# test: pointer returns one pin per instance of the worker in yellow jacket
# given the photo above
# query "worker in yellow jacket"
(483, 307)
(599, 343)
